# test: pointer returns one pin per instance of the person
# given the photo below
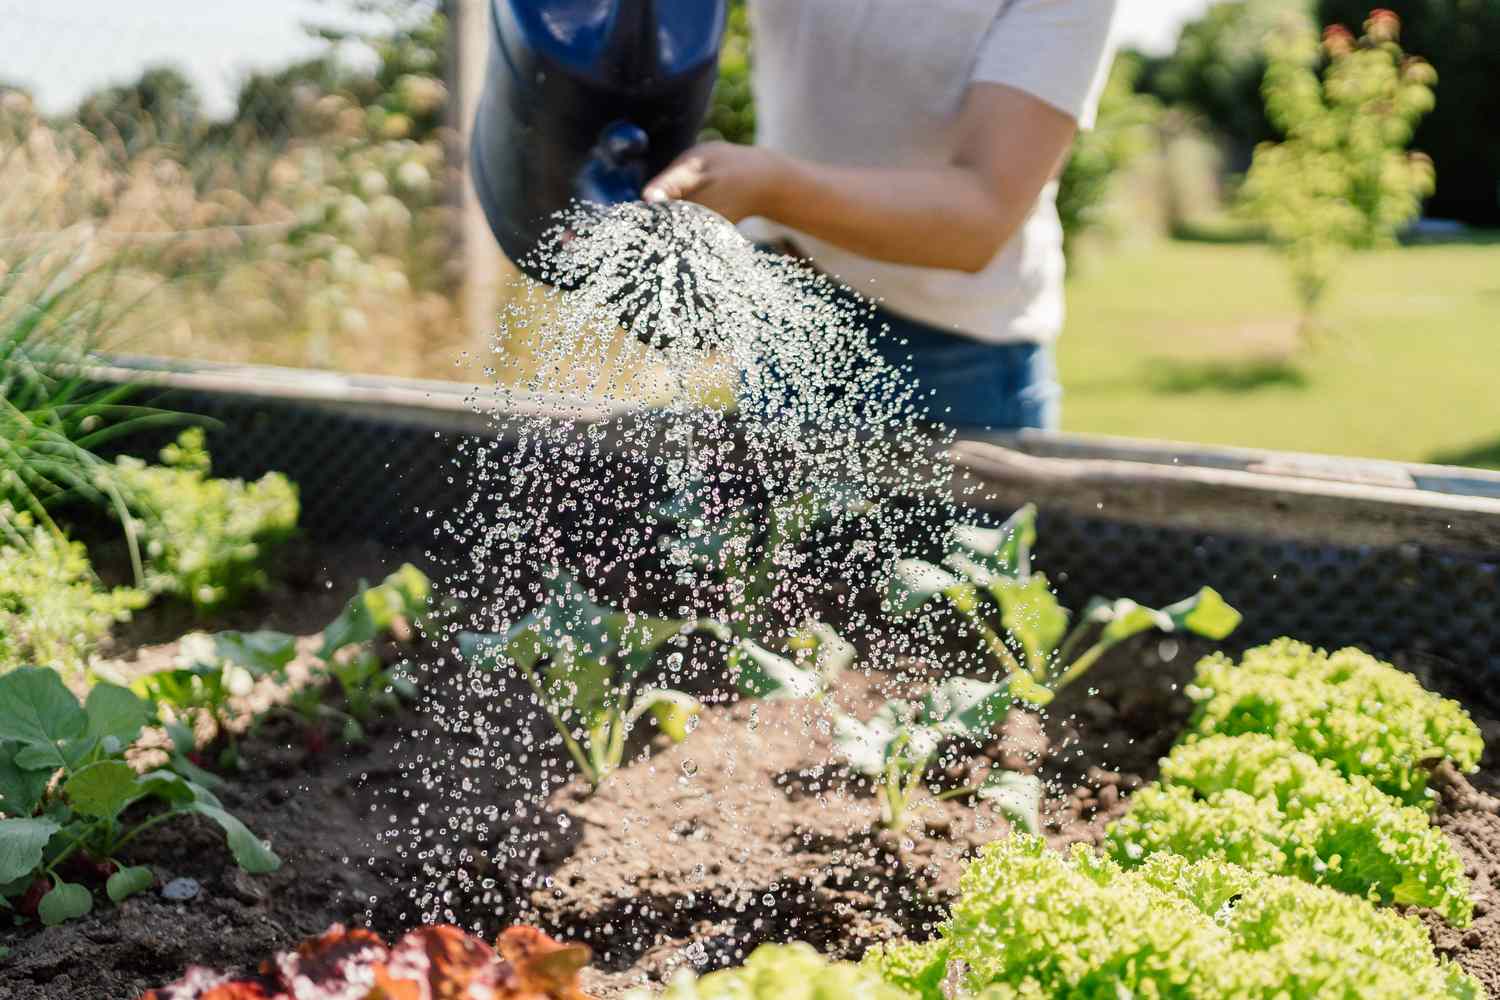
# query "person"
(911, 149)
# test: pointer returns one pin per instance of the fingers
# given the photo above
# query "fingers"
(678, 181)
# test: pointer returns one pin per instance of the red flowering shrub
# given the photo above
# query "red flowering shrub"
(432, 963)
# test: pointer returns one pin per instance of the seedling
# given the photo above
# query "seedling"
(1033, 646)
(748, 563)
(214, 669)
(820, 657)
(899, 742)
(67, 794)
(370, 687)
(586, 664)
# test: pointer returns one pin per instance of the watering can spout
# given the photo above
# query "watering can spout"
(586, 100)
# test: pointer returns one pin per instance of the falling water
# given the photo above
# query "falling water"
(817, 416)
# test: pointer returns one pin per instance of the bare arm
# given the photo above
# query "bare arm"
(957, 216)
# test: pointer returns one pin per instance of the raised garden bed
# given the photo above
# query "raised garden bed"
(748, 831)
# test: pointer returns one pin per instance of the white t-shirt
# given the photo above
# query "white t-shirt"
(878, 83)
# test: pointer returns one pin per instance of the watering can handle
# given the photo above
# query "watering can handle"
(615, 170)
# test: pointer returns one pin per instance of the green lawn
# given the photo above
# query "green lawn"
(1195, 342)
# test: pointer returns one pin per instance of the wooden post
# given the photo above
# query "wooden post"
(484, 266)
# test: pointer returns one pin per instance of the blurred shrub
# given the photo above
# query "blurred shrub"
(1216, 70)
(1120, 135)
(313, 229)
(1342, 179)
(1462, 40)
(207, 540)
(731, 116)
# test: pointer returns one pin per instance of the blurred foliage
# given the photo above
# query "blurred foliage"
(312, 228)
(1342, 179)
(731, 116)
(1122, 132)
(1459, 37)
(1217, 68)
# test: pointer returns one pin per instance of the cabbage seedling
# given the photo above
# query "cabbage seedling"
(585, 662)
(991, 567)
(898, 743)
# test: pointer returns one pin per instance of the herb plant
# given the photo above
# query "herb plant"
(52, 607)
(72, 803)
(898, 743)
(55, 308)
(586, 664)
(206, 539)
(1034, 647)
(1261, 804)
(1360, 715)
(1032, 923)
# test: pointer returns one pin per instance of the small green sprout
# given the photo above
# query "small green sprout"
(587, 664)
(212, 670)
(370, 686)
(1034, 646)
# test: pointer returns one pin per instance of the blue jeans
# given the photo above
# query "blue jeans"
(968, 384)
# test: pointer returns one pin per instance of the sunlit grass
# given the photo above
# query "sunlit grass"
(1196, 342)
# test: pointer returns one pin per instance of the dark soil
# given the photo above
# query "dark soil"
(690, 856)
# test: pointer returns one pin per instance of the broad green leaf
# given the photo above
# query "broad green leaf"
(192, 772)
(116, 713)
(521, 644)
(355, 624)
(569, 616)
(962, 706)
(21, 843)
(1006, 549)
(413, 586)
(128, 881)
(1030, 612)
(183, 738)
(102, 789)
(638, 638)
(760, 673)
(20, 788)
(1123, 618)
(913, 583)
(969, 568)
(1206, 613)
(867, 745)
(672, 710)
(37, 709)
(1024, 688)
(250, 853)
(1018, 797)
(835, 654)
(171, 787)
(583, 684)
(263, 653)
(67, 901)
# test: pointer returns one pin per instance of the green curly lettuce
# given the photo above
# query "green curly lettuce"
(781, 972)
(1254, 801)
(53, 609)
(1033, 924)
(919, 969)
(1363, 716)
(207, 539)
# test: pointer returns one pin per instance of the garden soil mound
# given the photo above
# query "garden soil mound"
(689, 857)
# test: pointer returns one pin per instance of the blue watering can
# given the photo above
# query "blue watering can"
(586, 100)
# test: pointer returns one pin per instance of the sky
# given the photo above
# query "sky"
(63, 49)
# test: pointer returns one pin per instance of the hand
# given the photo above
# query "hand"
(735, 181)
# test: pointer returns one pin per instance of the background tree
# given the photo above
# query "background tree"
(1462, 39)
(1342, 179)
(1217, 68)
